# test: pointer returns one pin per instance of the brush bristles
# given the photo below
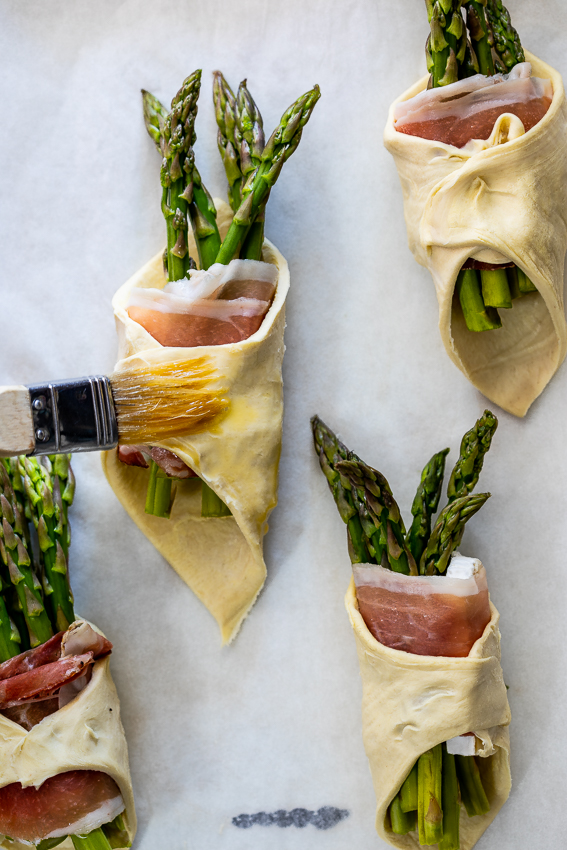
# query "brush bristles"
(165, 400)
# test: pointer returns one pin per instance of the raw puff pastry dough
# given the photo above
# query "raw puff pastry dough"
(86, 734)
(510, 198)
(237, 455)
(410, 703)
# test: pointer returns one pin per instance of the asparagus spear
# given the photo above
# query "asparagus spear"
(478, 317)
(447, 41)
(425, 504)
(402, 822)
(377, 507)
(252, 144)
(408, 791)
(16, 557)
(429, 812)
(95, 840)
(280, 146)
(472, 791)
(474, 446)
(155, 114)
(9, 635)
(330, 451)
(450, 803)
(506, 40)
(53, 537)
(481, 34)
(228, 138)
(524, 283)
(495, 289)
(116, 834)
(448, 533)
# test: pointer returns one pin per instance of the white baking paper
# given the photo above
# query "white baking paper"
(272, 722)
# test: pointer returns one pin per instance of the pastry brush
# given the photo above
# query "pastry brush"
(93, 414)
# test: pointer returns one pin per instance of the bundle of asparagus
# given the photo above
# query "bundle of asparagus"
(484, 153)
(490, 45)
(410, 616)
(46, 659)
(232, 304)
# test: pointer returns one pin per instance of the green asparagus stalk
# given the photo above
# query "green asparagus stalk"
(425, 504)
(474, 447)
(9, 635)
(477, 316)
(116, 833)
(280, 146)
(49, 843)
(408, 791)
(513, 282)
(495, 289)
(95, 840)
(448, 533)
(211, 504)
(524, 283)
(53, 537)
(472, 791)
(506, 40)
(481, 35)
(331, 451)
(155, 114)
(16, 557)
(402, 822)
(228, 137)
(429, 811)
(378, 508)
(450, 803)
(252, 144)
(159, 495)
(447, 41)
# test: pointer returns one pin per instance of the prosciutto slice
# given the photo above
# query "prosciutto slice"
(468, 109)
(74, 802)
(32, 658)
(224, 304)
(424, 615)
(43, 681)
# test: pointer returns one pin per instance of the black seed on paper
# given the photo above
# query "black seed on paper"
(324, 818)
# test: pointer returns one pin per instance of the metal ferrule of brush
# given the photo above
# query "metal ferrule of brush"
(73, 416)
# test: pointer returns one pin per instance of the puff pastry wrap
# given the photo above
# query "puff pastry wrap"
(219, 558)
(410, 703)
(491, 197)
(86, 734)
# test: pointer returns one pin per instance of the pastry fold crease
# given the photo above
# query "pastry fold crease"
(86, 734)
(498, 200)
(411, 703)
(221, 559)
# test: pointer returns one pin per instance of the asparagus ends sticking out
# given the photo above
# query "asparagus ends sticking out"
(474, 447)
(95, 840)
(451, 803)
(402, 822)
(159, 495)
(228, 138)
(330, 451)
(495, 289)
(473, 794)
(481, 35)
(429, 811)
(279, 147)
(211, 504)
(425, 504)
(155, 114)
(506, 40)
(448, 532)
(379, 514)
(477, 316)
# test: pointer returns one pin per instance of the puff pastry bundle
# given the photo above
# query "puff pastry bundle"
(482, 160)
(435, 713)
(64, 774)
(204, 502)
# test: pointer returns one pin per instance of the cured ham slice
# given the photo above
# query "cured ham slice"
(30, 714)
(468, 109)
(75, 802)
(224, 304)
(133, 455)
(424, 615)
(80, 637)
(32, 658)
(171, 464)
(42, 682)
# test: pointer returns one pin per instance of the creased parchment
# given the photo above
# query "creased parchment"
(503, 199)
(220, 559)
(410, 703)
(86, 734)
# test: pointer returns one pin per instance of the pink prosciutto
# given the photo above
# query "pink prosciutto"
(166, 460)
(468, 109)
(424, 615)
(75, 802)
(224, 304)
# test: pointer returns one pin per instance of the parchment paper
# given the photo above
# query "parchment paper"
(273, 722)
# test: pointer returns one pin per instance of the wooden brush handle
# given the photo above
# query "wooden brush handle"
(16, 422)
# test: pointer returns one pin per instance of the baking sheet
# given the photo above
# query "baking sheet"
(272, 722)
